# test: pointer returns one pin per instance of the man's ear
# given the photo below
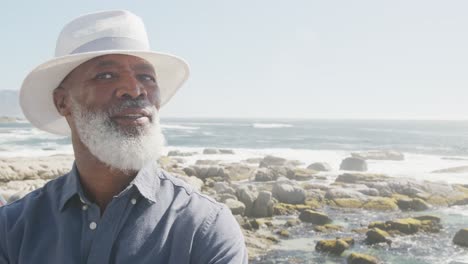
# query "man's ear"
(61, 101)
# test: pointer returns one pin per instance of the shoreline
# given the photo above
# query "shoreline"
(253, 185)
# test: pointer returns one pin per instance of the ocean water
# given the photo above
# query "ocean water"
(427, 146)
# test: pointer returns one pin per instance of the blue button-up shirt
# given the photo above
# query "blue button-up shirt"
(156, 219)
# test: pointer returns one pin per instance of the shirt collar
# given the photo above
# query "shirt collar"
(71, 187)
(147, 182)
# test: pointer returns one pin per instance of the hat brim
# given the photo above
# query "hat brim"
(36, 94)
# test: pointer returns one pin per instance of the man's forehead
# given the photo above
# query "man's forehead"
(117, 60)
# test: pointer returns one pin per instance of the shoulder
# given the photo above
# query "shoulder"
(189, 203)
(26, 207)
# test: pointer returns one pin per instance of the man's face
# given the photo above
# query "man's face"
(113, 110)
(123, 86)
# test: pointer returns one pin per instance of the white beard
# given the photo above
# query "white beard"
(115, 148)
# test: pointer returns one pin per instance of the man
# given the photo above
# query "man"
(105, 89)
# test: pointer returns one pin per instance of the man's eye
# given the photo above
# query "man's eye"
(146, 77)
(104, 76)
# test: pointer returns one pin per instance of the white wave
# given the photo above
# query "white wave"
(180, 127)
(272, 125)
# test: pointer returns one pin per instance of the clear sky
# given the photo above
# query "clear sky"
(275, 58)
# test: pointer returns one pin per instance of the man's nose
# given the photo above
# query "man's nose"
(130, 86)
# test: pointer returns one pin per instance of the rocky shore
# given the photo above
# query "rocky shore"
(275, 199)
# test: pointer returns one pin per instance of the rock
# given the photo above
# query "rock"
(376, 235)
(348, 203)
(338, 193)
(265, 174)
(247, 194)
(328, 228)
(210, 151)
(237, 208)
(300, 174)
(379, 155)
(381, 204)
(222, 187)
(180, 153)
(357, 258)
(253, 160)
(355, 178)
(46, 168)
(460, 169)
(293, 222)
(414, 204)
(263, 205)
(272, 161)
(335, 246)
(314, 217)
(353, 164)
(369, 191)
(238, 171)
(226, 151)
(189, 171)
(207, 162)
(205, 172)
(195, 182)
(319, 166)
(223, 197)
(407, 226)
(461, 237)
(287, 193)
(283, 233)
(289, 209)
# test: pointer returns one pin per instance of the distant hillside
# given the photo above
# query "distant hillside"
(9, 103)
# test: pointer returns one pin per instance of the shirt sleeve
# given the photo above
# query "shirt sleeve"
(3, 237)
(220, 240)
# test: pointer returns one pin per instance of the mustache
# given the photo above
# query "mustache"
(131, 103)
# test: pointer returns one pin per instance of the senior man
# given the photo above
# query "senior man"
(104, 88)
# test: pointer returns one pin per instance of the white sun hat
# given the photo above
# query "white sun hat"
(84, 38)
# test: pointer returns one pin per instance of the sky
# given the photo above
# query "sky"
(343, 59)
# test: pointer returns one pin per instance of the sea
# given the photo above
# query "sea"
(427, 146)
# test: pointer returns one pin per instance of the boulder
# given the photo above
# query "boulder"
(226, 151)
(263, 205)
(210, 151)
(314, 217)
(461, 237)
(247, 194)
(238, 171)
(237, 208)
(361, 178)
(207, 162)
(265, 174)
(195, 182)
(223, 188)
(357, 258)
(339, 193)
(353, 164)
(300, 174)
(379, 155)
(414, 204)
(319, 166)
(288, 193)
(334, 246)
(180, 153)
(381, 204)
(376, 235)
(269, 161)
(328, 228)
(460, 169)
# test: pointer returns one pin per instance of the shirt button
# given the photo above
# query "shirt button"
(133, 201)
(84, 207)
(92, 225)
